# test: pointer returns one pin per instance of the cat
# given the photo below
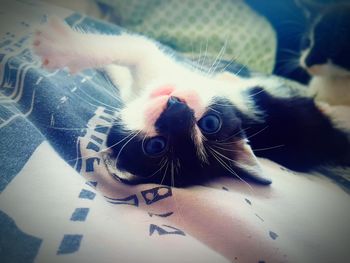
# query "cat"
(288, 21)
(312, 37)
(181, 125)
(326, 53)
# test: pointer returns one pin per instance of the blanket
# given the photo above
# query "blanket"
(58, 203)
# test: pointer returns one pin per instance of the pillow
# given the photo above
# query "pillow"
(226, 29)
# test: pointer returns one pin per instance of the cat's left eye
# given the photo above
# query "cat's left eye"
(154, 146)
(210, 123)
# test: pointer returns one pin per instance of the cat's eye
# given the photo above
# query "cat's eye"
(154, 146)
(210, 123)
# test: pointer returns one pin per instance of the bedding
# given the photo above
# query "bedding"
(59, 204)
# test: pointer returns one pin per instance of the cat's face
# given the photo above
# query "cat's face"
(180, 134)
(326, 48)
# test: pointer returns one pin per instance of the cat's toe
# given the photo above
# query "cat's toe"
(52, 45)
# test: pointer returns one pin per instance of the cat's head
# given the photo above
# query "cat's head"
(182, 133)
(325, 46)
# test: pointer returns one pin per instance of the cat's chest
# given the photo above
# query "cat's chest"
(332, 90)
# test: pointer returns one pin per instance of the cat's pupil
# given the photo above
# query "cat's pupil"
(210, 123)
(154, 146)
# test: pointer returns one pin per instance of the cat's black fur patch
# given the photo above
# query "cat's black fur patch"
(308, 137)
(289, 23)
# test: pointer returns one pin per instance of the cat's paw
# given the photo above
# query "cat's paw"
(56, 44)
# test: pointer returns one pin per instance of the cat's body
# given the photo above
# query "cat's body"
(181, 125)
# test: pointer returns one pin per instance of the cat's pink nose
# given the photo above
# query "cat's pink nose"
(162, 91)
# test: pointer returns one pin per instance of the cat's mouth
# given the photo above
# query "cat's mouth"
(121, 176)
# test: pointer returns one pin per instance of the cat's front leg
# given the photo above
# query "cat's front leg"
(60, 46)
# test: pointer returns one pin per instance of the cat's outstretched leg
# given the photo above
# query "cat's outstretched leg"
(60, 46)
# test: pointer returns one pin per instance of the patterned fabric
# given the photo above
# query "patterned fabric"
(59, 204)
(236, 32)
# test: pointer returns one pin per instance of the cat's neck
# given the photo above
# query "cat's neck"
(334, 90)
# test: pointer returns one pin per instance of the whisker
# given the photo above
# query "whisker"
(121, 149)
(222, 142)
(290, 51)
(245, 64)
(254, 134)
(101, 151)
(164, 175)
(256, 93)
(221, 104)
(75, 129)
(233, 59)
(239, 71)
(90, 103)
(177, 207)
(229, 169)
(286, 69)
(172, 174)
(96, 100)
(224, 149)
(166, 169)
(214, 110)
(221, 52)
(268, 148)
(221, 56)
(205, 53)
(110, 83)
(162, 166)
(223, 156)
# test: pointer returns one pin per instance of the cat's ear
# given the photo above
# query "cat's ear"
(311, 8)
(249, 165)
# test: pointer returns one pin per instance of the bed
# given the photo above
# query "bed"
(59, 204)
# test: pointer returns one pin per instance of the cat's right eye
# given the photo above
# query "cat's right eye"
(210, 123)
(154, 146)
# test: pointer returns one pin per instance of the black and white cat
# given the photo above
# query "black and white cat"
(181, 125)
(313, 39)
(326, 53)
